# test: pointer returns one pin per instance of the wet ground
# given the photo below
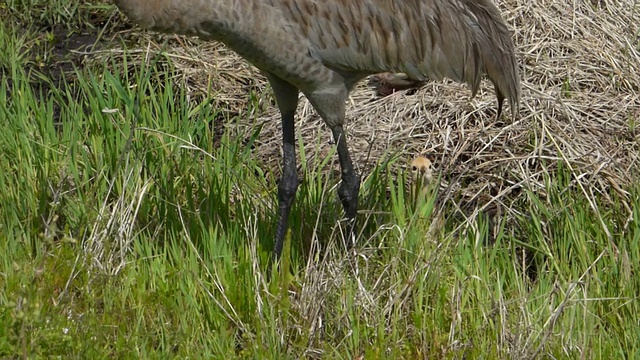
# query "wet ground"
(53, 51)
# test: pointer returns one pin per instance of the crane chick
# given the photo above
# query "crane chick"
(323, 48)
(422, 169)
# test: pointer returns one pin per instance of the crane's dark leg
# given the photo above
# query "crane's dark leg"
(350, 187)
(329, 101)
(287, 99)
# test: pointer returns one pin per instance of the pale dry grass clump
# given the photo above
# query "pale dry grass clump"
(580, 106)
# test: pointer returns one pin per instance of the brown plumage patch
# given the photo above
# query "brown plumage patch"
(388, 83)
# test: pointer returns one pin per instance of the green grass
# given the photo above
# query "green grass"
(129, 229)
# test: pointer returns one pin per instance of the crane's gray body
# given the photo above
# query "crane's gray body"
(324, 47)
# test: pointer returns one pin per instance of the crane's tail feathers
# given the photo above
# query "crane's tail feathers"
(497, 54)
(500, 103)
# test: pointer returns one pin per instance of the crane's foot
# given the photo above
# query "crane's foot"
(387, 83)
(348, 193)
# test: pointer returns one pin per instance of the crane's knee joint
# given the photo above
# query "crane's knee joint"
(287, 188)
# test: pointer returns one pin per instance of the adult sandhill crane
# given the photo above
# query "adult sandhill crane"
(322, 48)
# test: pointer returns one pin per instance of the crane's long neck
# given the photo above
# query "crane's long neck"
(255, 29)
(206, 18)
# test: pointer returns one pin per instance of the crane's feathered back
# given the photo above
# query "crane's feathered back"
(457, 39)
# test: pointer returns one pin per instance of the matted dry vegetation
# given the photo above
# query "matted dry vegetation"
(580, 106)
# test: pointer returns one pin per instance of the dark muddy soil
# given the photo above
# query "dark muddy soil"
(56, 50)
(69, 48)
